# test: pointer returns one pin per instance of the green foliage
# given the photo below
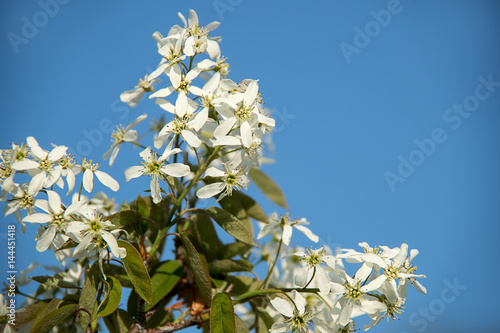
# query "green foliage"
(136, 271)
(222, 314)
(198, 267)
(111, 298)
(268, 187)
(163, 279)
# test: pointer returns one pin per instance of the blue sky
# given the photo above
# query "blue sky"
(359, 90)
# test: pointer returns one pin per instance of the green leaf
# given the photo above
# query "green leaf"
(251, 207)
(144, 205)
(231, 225)
(199, 270)
(119, 321)
(53, 318)
(123, 218)
(120, 273)
(207, 236)
(88, 294)
(113, 294)
(53, 282)
(233, 205)
(241, 327)
(29, 313)
(163, 279)
(242, 284)
(233, 249)
(228, 266)
(136, 271)
(222, 314)
(268, 187)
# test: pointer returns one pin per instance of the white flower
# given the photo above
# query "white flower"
(185, 123)
(297, 318)
(90, 169)
(45, 171)
(57, 218)
(197, 41)
(121, 135)
(313, 271)
(157, 168)
(353, 292)
(229, 179)
(93, 232)
(134, 96)
(23, 198)
(284, 225)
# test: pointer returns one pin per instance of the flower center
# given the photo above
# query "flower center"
(353, 292)
(45, 165)
(66, 162)
(5, 171)
(392, 272)
(89, 165)
(27, 201)
(243, 113)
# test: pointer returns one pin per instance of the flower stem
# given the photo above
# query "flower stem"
(178, 201)
(269, 272)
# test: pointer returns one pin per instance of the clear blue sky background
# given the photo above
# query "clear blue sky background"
(342, 121)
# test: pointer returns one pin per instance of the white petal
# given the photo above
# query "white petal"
(181, 105)
(25, 165)
(300, 302)
(246, 134)
(38, 218)
(322, 280)
(193, 18)
(191, 138)
(200, 119)
(57, 153)
(213, 48)
(224, 127)
(88, 180)
(375, 284)
(155, 189)
(251, 93)
(214, 172)
(268, 229)
(132, 97)
(107, 180)
(112, 243)
(84, 243)
(210, 190)
(54, 202)
(345, 314)
(176, 169)
(303, 276)
(35, 148)
(287, 234)
(130, 136)
(163, 92)
(70, 178)
(282, 306)
(307, 232)
(134, 172)
(46, 238)
(227, 141)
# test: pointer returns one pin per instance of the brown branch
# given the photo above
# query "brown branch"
(191, 321)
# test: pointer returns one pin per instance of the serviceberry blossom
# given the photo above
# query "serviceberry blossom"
(134, 96)
(57, 218)
(312, 269)
(121, 135)
(45, 170)
(157, 168)
(93, 232)
(89, 170)
(297, 319)
(228, 180)
(284, 226)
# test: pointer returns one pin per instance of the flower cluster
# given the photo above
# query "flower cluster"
(211, 146)
(378, 288)
(209, 111)
(59, 223)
